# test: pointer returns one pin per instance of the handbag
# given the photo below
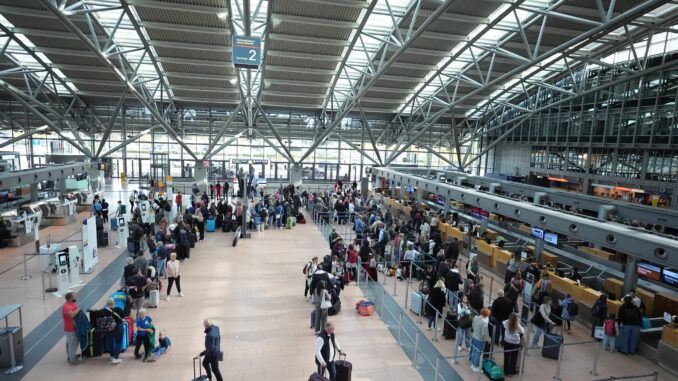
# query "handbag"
(599, 332)
(325, 304)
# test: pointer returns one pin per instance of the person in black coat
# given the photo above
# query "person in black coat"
(502, 307)
(212, 352)
(435, 303)
(475, 297)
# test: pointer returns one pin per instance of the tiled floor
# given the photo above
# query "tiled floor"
(254, 293)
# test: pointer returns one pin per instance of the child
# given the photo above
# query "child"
(163, 346)
(611, 332)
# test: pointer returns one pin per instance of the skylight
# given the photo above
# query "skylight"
(15, 51)
(127, 39)
(376, 32)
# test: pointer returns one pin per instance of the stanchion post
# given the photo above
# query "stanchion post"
(456, 350)
(437, 372)
(491, 286)
(560, 360)
(400, 325)
(594, 371)
(395, 284)
(26, 276)
(435, 326)
(522, 359)
(383, 298)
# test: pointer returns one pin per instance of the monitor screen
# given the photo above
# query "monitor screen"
(63, 259)
(649, 271)
(551, 238)
(537, 233)
(670, 277)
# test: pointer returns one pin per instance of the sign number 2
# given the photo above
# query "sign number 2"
(253, 55)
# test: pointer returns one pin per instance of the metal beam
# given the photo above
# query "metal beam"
(37, 175)
(122, 77)
(274, 131)
(367, 128)
(350, 103)
(272, 145)
(128, 141)
(352, 145)
(23, 136)
(226, 124)
(225, 144)
(639, 244)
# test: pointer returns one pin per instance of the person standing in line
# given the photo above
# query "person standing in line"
(211, 191)
(541, 320)
(68, 312)
(136, 288)
(309, 270)
(598, 313)
(326, 349)
(512, 334)
(212, 352)
(144, 329)
(480, 337)
(226, 190)
(501, 310)
(173, 275)
(436, 302)
(179, 199)
(512, 268)
(630, 320)
(567, 314)
(463, 338)
(611, 329)
(104, 210)
(323, 302)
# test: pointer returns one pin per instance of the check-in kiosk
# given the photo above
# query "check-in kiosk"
(147, 212)
(48, 256)
(85, 201)
(59, 211)
(74, 267)
(23, 226)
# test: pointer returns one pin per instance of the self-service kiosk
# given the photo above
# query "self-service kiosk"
(74, 266)
(123, 231)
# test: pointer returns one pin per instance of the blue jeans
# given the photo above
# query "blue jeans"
(452, 298)
(628, 338)
(279, 221)
(330, 368)
(463, 337)
(432, 319)
(609, 342)
(114, 342)
(477, 348)
(537, 334)
(162, 268)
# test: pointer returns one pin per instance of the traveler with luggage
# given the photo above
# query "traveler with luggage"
(132, 200)
(465, 321)
(322, 301)
(136, 287)
(513, 333)
(541, 320)
(630, 320)
(212, 352)
(512, 267)
(452, 282)
(598, 313)
(173, 275)
(326, 349)
(68, 312)
(144, 330)
(309, 269)
(436, 302)
(128, 271)
(112, 331)
(480, 337)
(472, 269)
(501, 310)
(569, 312)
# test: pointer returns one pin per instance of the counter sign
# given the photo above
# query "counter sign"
(246, 52)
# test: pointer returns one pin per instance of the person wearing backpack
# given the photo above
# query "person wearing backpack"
(161, 259)
(630, 320)
(308, 271)
(570, 310)
(611, 331)
(112, 317)
(598, 313)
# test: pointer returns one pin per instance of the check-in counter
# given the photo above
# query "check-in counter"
(455, 233)
(648, 299)
(549, 258)
(491, 234)
(443, 227)
(588, 299)
(598, 252)
(525, 229)
(614, 286)
(494, 217)
(665, 303)
(501, 258)
(613, 306)
(485, 252)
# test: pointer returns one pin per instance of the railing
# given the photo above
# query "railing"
(651, 376)
(417, 345)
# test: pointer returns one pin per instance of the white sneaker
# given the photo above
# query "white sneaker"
(459, 349)
(117, 361)
(181, 294)
(168, 298)
(475, 370)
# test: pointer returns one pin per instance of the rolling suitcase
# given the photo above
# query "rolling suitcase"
(130, 330)
(131, 247)
(103, 240)
(198, 376)
(313, 318)
(450, 327)
(289, 223)
(124, 343)
(211, 225)
(95, 347)
(153, 299)
(317, 377)
(417, 303)
(344, 369)
(493, 371)
(552, 344)
(191, 240)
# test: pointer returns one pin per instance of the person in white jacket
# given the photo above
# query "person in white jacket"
(173, 275)
(463, 338)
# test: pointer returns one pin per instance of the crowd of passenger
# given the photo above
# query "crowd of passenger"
(448, 279)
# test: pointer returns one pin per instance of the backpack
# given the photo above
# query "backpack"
(306, 267)
(573, 309)
(151, 245)
(610, 329)
(597, 309)
(107, 324)
(183, 239)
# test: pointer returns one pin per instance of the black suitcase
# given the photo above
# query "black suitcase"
(450, 327)
(103, 240)
(336, 307)
(552, 344)
(191, 240)
(96, 345)
(343, 368)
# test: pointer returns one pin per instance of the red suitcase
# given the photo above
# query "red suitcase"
(344, 369)
(130, 330)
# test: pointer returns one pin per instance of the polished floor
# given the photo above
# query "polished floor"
(254, 293)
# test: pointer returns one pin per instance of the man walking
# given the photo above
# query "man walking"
(212, 350)
(68, 312)
(326, 348)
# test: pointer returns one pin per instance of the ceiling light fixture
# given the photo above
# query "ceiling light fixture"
(222, 15)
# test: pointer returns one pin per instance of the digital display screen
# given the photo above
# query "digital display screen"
(438, 199)
(670, 277)
(551, 238)
(537, 233)
(62, 259)
(649, 271)
(478, 212)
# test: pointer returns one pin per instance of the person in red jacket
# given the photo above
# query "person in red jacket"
(68, 312)
(179, 200)
(352, 261)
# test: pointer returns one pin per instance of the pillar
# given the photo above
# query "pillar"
(538, 248)
(34, 192)
(630, 276)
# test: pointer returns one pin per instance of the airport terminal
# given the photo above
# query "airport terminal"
(337, 190)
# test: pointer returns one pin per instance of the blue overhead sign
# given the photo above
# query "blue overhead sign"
(246, 52)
